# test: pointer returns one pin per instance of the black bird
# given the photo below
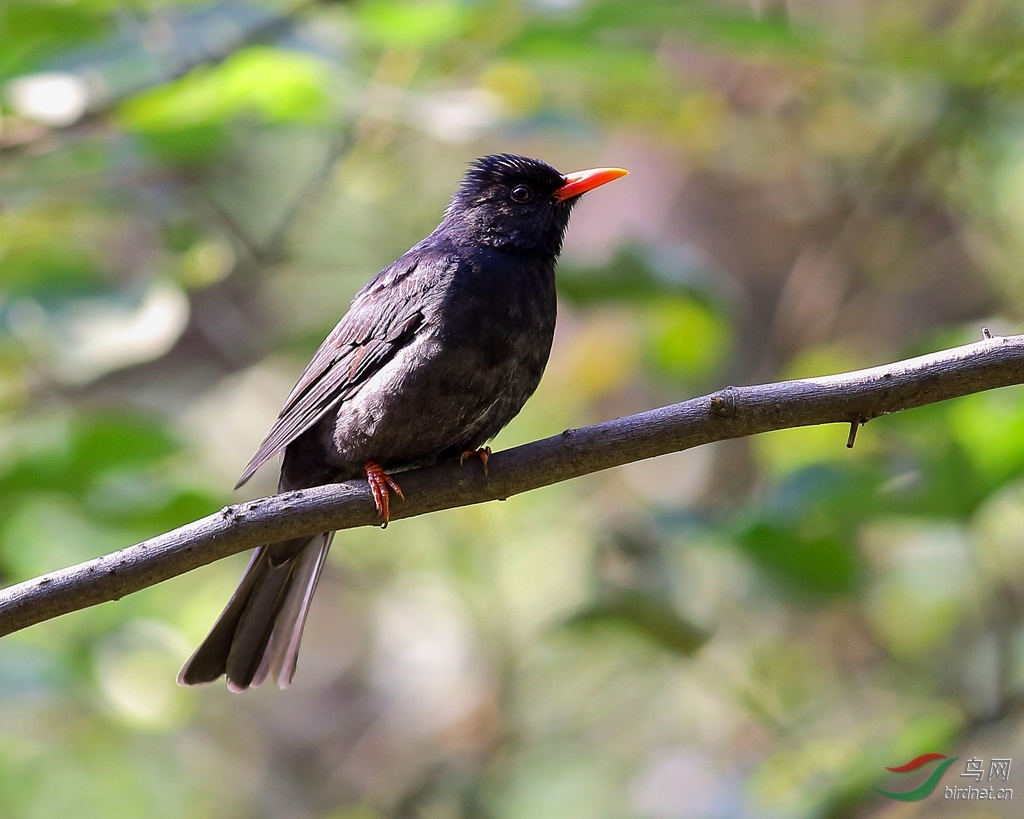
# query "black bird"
(435, 355)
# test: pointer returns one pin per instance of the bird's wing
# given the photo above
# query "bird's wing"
(384, 317)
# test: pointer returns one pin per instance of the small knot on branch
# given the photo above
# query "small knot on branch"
(723, 403)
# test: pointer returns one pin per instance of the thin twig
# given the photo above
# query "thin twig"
(851, 439)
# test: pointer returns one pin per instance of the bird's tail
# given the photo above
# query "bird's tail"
(258, 633)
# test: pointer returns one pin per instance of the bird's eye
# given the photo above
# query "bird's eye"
(521, 193)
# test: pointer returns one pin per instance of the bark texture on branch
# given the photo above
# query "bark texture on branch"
(733, 412)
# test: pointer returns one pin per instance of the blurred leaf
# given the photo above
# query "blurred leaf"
(707, 22)
(34, 31)
(933, 473)
(786, 451)
(187, 144)
(52, 272)
(834, 496)
(412, 23)
(686, 339)
(44, 532)
(104, 442)
(68, 455)
(821, 565)
(990, 428)
(636, 275)
(643, 615)
(184, 119)
(150, 505)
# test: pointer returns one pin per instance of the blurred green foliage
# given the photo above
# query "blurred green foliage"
(191, 192)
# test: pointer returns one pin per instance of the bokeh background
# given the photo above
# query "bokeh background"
(191, 192)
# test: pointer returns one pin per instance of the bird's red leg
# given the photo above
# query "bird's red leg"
(484, 454)
(380, 484)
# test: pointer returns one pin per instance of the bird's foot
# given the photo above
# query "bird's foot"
(483, 454)
(381, 484)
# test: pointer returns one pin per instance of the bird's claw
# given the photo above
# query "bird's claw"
(483, 454)
(381, 485)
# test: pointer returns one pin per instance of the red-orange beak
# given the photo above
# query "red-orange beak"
(578, 183)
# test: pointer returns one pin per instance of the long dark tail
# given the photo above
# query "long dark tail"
(258, 633)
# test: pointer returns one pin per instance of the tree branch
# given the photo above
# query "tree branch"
(735, 412)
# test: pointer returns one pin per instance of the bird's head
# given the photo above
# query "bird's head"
(519, 204)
